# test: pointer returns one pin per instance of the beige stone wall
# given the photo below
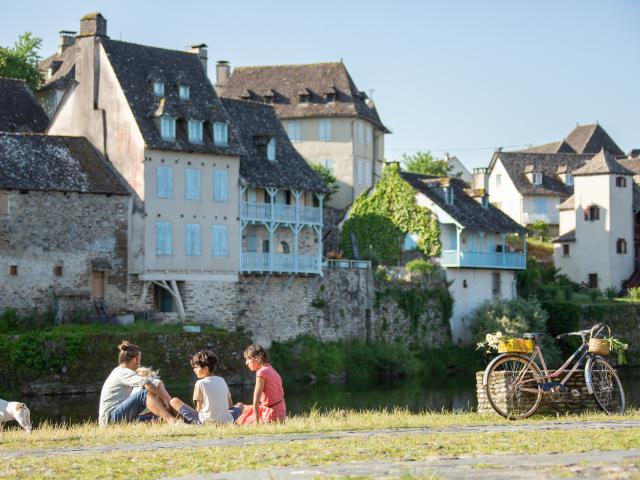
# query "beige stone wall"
(48, 229)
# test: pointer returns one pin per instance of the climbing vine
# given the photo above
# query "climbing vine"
(380, 218)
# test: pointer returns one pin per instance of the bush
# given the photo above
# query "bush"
(539, 229)
(611, 292)
(568, 294)
(634, 294)
(594, 294)
(421, 266)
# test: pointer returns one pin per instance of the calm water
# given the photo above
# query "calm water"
(455, 393)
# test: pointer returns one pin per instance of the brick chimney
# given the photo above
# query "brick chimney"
(93, 25)
(201, 51)
(223, 70)
(65, 40)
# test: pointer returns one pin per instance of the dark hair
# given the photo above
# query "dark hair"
(257, 352)
(205, 359)
(127, 351)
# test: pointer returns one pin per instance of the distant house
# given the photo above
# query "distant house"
(458, 169)
(597, 245)
(530, 184)
(329, 120)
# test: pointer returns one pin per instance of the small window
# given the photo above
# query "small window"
(195, 131)
(565, 250)
(57, 270)
(569, 179)
(164, 300)
(221, 185)
(331, 97)
(220, 133)
(158, 89)
(192, 239)
(164, 238)
(449, 196)
(265, 246)
(324, 130)
(593, 280)
(13, 270)
(220, 244)
(328, 164)
(252, 243)
(192, 184)
(621, 182)
(303, 98)
(168, 128)
(592, 213)
(284, 248)
(294, 130)
(621, 246)
(164, 182)
(184, 92)
(271, 149)
(537, 178)
(496, 286)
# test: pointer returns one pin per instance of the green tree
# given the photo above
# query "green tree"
(327, 177)
(426, 164)
(21, 61)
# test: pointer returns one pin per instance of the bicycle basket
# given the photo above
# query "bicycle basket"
(515, 345)
(599, 346)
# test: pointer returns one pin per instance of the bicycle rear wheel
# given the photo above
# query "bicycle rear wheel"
(606, 386)
(513, 387)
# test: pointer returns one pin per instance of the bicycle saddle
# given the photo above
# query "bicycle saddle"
(534, 336)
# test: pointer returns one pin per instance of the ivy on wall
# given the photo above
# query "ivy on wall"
(380, 218)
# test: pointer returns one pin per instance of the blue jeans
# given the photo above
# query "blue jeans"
(129, 410)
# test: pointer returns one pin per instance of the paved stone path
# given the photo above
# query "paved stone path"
(296, 437)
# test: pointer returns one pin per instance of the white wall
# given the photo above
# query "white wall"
(505, 196)
(550, 214)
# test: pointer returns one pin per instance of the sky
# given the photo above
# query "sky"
(462, 77)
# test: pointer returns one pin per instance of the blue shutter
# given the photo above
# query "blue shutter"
(220, 185)
(164, 182)
(192, 184)
(192, 239)
(219, 240)
(164, 233)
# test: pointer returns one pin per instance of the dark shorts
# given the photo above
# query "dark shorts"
(191, 416)
(129, 410)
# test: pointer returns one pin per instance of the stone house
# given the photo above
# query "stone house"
(63, 227)
(529, 185)
(329, 120)
(597, 246)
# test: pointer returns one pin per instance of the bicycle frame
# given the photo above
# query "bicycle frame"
(581, 352)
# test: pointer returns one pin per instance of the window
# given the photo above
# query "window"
(164, 238)
(4, 203)
(369, 136)
(496, 283)
(448, 195)
(220, 133)
(593, 280)
(165, 300)
(592, 213)
(569, 179)
(168, 128)
(294, 129)
(565, 250)
(158, 89)
(192, 184)
(303, 98)
(498, 179)
(220, 246)
(195, 131)
(281, 197)
(13, 270)
(252, 243)
(57, 270)
(164, 182)
(621, 182)
(537, 178)
(410, 242)
(221, 186)
(184, 92)
(324, 130)
(284, 248)
(265, 246)
(192, 239)
(621, 246)
(328, 164)
(271, 149)
(252, 195)
(540, 206)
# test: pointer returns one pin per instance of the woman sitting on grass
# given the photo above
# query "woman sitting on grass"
(118, 403)
(268, 396)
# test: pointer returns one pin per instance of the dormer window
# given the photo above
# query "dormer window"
(569, 180)
(331, 97)
(168, 128)
(304, 98)
(195, 131)
(537, 178)
(184, 92)
(220, 133)
(271, 149)
(448, 195)
(158, 89)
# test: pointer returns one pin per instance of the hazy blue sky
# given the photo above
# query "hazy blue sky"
(456, 76)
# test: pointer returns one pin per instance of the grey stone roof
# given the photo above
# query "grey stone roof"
(569, 203)
(632, 164)
(602, 163)
(591, 139)
(548, 163)
(465, 210)
(257, 123)
(553, 147)
(65, 69)
(19, 110)
(66, 164)
(569, 236)
(283, 84)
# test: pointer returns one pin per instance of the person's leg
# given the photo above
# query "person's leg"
(156, 407)
(129, 410)
(185, 411)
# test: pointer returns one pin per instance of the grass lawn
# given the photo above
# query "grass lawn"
(386, 445)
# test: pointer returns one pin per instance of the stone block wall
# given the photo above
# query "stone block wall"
(44, 230)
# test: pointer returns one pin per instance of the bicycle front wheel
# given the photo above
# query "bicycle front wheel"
(513, 387)
(606, 386)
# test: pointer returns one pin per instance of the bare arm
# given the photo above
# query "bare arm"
(156, 392)
(257, 393)
(230, 401)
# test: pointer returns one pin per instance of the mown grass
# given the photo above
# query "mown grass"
(389, 446)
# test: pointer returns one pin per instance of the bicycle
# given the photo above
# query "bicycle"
(515, 384)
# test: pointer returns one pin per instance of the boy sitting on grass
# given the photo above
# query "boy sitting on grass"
(211, 394)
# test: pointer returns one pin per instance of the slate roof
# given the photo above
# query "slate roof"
(256, 124)
(548, 163)
(553, 147)
(632, 164)
(601, 164)
(19, 110)
(65, 72)
(45, 162)
(285, 83)
(591, 139)
(569, 236)
(569, 203)
(465, 210)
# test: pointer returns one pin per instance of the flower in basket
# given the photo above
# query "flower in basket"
(491, 341)
(618, 347)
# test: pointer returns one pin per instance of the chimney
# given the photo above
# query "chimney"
(201, 51)
(480, 179)
(93, 25)
(65, 40)
(223, 70)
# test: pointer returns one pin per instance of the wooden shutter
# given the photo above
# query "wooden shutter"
(192, 184)
(220, 185)
(192, 239)
(164, 239)
(164, 183)
(219, 240)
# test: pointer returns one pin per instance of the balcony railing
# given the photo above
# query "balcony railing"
(456, 258)
(279, 263)
(275, 212)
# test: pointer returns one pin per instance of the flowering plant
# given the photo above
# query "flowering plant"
(618, 347)
(491, 341)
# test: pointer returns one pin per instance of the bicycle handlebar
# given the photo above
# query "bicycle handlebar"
(582, 333)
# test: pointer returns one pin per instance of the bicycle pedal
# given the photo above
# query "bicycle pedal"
(553, 386)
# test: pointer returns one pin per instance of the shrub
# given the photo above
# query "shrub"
(568, 294)
(540, 229)
(421, 266)
(634, 294)
(611, 292)
(594, 294)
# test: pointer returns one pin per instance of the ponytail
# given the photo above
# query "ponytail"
(127, 351)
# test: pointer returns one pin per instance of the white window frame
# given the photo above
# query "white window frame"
(220, 134)
(192, 189)
(195, 131)
(192, 239)
(168, 128)
(537, 178)
(294, 130)
(164, 245)
(271, 149)
(184, 91)
(498, 180)
(164, 182)
(325, 130)
(220, 185)
(158, 89)
(219, 245)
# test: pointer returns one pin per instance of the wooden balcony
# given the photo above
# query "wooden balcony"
(510, 261)
(280, 213)
(251, 262)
